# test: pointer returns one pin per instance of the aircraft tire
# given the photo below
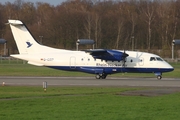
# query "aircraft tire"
(98, 76)
(101, 76)
(159, 77)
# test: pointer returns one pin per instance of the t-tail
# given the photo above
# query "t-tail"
(24, 40)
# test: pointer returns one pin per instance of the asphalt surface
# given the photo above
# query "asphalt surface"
(91, 81)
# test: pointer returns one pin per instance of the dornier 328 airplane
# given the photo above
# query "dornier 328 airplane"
(100, 62)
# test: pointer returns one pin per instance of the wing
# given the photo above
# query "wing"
(105, 54)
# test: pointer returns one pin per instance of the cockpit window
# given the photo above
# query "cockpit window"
(152, 59)
(156, 59)
(159, 59)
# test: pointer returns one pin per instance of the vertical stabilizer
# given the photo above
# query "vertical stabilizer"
(24, 40)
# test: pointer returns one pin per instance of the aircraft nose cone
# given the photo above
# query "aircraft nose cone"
(170, 68)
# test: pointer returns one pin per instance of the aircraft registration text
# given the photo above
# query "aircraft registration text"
(47, 59)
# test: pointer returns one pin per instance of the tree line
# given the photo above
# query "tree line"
(123, 24)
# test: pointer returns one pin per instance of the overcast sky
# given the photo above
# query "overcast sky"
(52, 2)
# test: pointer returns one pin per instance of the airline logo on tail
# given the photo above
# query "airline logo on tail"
(29, 44)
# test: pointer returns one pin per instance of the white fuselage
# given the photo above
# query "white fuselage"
(81, 61)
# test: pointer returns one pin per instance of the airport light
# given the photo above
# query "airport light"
(3, 83)
(132, 42)
(45, 86)
(3, 41)
(174, 42)
(84, 42)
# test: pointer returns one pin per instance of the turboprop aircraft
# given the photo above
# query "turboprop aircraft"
(100, 62)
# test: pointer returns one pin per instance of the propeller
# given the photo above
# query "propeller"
(124, 53)
(124, 57)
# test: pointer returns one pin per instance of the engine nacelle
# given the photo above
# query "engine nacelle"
(112, 55)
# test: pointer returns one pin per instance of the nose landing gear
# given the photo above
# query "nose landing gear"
(159, 75)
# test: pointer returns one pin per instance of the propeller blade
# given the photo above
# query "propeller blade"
(124, 57)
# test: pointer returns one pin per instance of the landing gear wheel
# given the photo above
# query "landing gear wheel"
(101, 76)
(159, 77)
(98, 76)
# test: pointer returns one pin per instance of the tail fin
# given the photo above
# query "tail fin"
(24, 40)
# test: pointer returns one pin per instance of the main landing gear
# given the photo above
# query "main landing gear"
(159, 77)
(101, 76)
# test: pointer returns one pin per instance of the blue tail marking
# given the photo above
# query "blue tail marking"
(29, 44)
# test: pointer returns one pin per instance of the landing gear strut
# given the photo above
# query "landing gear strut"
(101, 76)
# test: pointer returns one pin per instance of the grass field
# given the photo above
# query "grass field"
(81, 103)
(84, 103)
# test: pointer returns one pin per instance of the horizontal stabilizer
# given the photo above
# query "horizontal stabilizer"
(34, 63)
(15, 22)
(19, 56)
(27, 58)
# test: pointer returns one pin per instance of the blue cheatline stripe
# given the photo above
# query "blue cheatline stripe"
(111, 70)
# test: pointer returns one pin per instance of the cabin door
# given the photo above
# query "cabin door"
(72, 62)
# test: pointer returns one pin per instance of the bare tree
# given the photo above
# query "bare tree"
(88, 25)
(148, 10)
(154, 24)
(164, 23)
(119, 30)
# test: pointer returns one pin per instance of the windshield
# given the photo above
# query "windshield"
(159, 59)
(156, 59)
(152, 59)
